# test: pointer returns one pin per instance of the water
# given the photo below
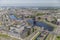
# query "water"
(41, 24)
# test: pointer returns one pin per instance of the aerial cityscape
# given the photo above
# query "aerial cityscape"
(29, 19)
(29, 23)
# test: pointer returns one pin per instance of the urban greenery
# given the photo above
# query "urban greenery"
(58, 38)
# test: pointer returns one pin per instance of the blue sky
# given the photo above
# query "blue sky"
(29, 2)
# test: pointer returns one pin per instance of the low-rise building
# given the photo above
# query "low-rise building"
(25, 32)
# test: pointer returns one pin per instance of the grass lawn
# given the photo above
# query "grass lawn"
(40, 14)
(3, 35)
(58, 38)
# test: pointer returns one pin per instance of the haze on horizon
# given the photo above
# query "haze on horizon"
(29, 2)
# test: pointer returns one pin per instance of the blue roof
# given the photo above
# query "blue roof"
(12, 17)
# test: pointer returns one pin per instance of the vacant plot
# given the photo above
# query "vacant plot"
(6, 37)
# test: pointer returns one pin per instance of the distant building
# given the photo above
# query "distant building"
(58, 21)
